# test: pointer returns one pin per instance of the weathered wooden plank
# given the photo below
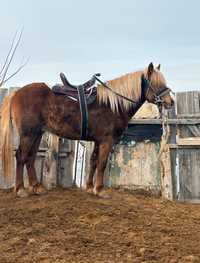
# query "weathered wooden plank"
(176, 146)
(180, 121)
(172, 121)
(171, 154)
(188, 141)
(173, 151)
(189, 175)
(188, 104)
(165, 170)
(49, 173)
(65, 163)
(189, 115)
(89, 148)
(173, 157)
(3, 93)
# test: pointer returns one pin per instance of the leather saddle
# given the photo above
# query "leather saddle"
(71, 91)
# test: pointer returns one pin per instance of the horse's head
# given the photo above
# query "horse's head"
(155, 87)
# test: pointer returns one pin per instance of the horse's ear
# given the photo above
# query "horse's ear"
(150, 70)
(158, 67)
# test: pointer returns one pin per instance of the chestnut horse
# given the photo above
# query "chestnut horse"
(34, 109)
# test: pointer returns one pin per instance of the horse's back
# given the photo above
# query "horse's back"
(33, 89)
(28, 103)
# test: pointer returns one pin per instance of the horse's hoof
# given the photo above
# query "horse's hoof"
(22, 193)
(40, 190)
(89, 189)
(102, 194)
(37, 190)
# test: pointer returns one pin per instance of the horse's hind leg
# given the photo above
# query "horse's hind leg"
(21, 158)
(23, 155)
(93, 165)
(34, 186)
(19, 184)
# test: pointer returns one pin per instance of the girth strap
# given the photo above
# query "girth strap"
(83, 111)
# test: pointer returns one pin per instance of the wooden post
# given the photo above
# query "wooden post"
(65, 162)
(3, 93)
(49, 176)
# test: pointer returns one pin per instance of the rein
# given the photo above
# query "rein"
(146, 85)
(116, 93)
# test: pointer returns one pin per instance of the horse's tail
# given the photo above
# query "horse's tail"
(6, 137)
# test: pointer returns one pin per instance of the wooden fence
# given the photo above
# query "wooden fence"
(186, 155)
(134, 162)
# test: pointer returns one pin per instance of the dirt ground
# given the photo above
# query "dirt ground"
(73, 226)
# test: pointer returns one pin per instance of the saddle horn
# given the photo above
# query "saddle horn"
(64, 80)
(97, 75)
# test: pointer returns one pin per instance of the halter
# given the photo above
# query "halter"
(157, 95)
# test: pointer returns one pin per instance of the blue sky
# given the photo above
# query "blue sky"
(112, 37)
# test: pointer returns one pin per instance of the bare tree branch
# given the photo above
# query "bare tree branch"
(9, 52)
(9, 59)
(18, 70)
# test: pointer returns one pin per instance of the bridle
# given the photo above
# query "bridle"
(146, 88)
(157, 95)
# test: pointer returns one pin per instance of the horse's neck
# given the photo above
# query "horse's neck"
(134, 109)
(137, 105)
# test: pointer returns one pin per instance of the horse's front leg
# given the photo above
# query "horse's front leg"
(93, 165)
(104, 150)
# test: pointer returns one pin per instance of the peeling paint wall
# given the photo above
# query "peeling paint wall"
(134, 166)
(134, 162)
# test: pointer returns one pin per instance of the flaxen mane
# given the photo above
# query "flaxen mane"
(128, 85)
